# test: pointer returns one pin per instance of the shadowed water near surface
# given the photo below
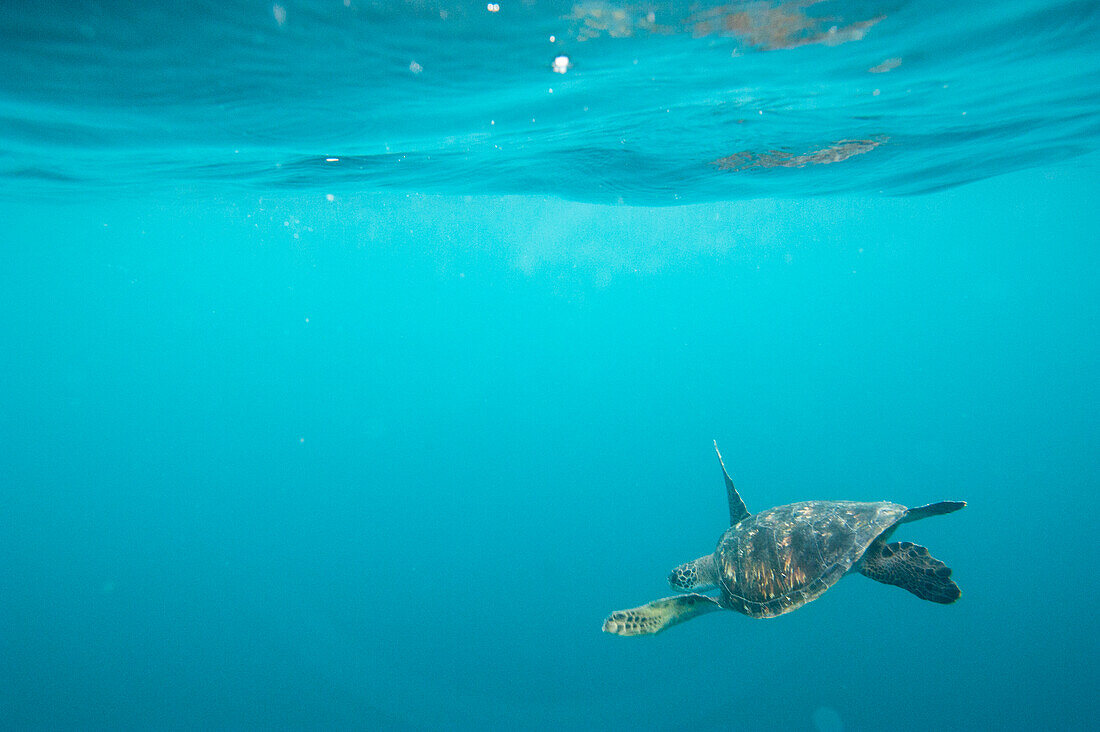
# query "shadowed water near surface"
(289, 442)
(643, 103)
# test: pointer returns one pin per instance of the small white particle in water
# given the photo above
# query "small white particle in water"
(307, 320)
(493, 7)
(875, 93)
(964, 113)
(760, 111)
(279, 12)
(301, 440)
(551, 91)
(552, 39)
(442, 14)
(492, 122)
(332, 160)
(415, 67)
(561, 64)
(329, 197)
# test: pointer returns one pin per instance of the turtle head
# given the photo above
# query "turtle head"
(693, 576)
(684, 577)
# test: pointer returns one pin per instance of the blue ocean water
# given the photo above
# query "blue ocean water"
(359, 358)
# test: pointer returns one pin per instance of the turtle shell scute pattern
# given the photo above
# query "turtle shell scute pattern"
(778, 560)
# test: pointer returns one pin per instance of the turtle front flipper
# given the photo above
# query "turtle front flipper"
(659, 614)
(911, 567)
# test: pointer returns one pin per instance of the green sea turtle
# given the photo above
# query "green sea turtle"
(775, 561)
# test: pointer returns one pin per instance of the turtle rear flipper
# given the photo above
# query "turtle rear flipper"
(659, 614)
(932, 509)
(911, 567)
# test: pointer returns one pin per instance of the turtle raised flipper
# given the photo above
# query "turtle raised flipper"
(659, 614)
(737, 505)
(911, 567)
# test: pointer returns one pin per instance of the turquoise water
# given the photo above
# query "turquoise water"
(377, 442)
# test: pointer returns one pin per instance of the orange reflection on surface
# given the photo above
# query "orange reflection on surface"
(772, 26)
(835, 153)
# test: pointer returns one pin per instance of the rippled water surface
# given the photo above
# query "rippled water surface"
(646, 103)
